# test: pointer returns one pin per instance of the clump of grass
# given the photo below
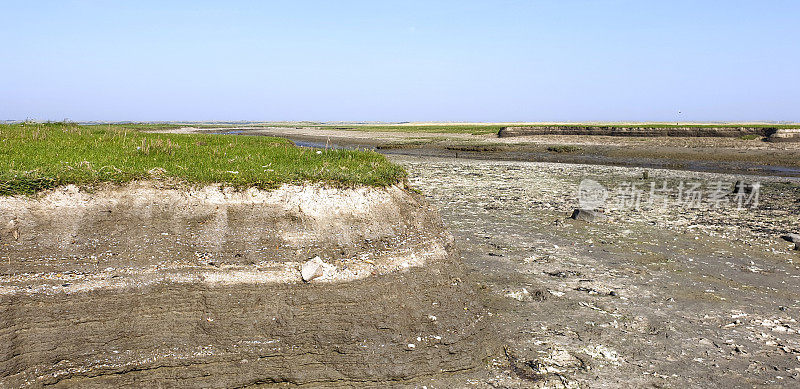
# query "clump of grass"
(564, 149)
(38, 156)
(750, 137)
(158, 145)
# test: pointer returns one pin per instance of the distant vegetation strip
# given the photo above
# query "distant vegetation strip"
(37, 156)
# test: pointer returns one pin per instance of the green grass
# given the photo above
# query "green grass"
(750, 137)
(35, 157)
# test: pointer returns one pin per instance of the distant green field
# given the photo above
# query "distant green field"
(37, 156)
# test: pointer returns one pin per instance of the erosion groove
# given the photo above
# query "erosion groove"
(148, 286)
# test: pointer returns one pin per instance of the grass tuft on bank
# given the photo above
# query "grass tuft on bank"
(38, 156)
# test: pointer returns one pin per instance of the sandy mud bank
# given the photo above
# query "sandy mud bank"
(154, 285)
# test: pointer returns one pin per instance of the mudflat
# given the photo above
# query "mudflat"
(656, 296)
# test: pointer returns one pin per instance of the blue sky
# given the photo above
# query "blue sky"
(400, 60)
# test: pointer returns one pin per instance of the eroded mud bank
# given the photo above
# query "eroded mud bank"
(201, 287)
(645, 131)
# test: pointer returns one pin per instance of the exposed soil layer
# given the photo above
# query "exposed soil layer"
(151, 285)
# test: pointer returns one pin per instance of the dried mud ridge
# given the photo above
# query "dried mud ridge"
(156, 286)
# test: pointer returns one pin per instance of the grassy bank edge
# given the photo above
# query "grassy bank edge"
(40, 156)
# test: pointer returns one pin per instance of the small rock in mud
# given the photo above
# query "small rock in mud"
(794, 238)
(312, 269)
(587, 215)
(525, 295)
(12, 229)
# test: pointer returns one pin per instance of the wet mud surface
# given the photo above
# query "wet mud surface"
(660, 296)
(757, 162)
